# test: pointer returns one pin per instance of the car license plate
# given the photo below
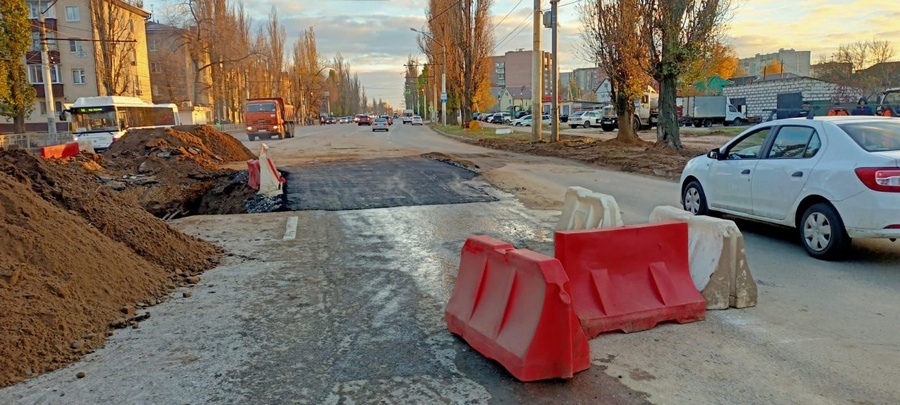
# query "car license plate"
(262, 130)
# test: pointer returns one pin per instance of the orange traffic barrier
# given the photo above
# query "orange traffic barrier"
(630, 278)
(62, 151)
(513, 306)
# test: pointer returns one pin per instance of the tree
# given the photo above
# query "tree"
(851, 66)
(16, 93)
(115, 50)
(441, 17)
(775, 67)
(719, 59)
(610, 33)
(675, 33)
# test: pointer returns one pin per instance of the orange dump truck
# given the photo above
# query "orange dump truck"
(267, 117)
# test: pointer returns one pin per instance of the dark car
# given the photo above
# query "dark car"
(499, 118)
(363, 119)
(331, 120)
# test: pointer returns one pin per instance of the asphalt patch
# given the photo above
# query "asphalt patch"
(380, 183)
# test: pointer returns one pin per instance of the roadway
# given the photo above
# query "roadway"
(348, 305)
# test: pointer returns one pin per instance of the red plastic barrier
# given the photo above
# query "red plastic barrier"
(275, 170)
(253, 169)
(63, 151)
(630, 278)
(513, 306)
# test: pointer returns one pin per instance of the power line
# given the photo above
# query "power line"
(507, 15)
(519, 27)
(446, 10)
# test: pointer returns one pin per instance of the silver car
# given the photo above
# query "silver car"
(380, 124)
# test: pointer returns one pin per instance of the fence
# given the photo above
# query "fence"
(33, 142)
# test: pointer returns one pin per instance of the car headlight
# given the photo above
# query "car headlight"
(249, 128)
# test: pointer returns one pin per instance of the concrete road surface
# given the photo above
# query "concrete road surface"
(346, 306)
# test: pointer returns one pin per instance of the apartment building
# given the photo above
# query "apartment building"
(175, 73)
(513, 70)
(76, 55)
(796, 62)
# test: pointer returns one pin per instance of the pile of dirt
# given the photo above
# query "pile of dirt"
(74, 253)
(639, 157)
(174, 172)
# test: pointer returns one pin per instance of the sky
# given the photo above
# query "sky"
(374, 35)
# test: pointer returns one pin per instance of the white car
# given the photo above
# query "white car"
(545, 120)
(416, 120)
(520, 122)
(832, 178)
(380, 124)
(585, 119)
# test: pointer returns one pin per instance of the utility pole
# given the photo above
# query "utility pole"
(554, 75)
(48, 82)
(537, 73)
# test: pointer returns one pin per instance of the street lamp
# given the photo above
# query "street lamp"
(443, 76)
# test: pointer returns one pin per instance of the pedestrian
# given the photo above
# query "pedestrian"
(862, 108)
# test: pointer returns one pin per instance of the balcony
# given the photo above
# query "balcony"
(57, 90)
(34, 57)
(49, 22)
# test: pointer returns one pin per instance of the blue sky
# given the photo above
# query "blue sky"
(374, 35)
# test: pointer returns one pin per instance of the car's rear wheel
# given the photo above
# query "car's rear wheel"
(822, 232)
(693, 199)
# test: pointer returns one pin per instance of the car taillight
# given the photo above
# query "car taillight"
(880, 179)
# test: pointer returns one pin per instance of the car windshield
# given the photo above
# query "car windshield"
(892, 98)
(877, 136)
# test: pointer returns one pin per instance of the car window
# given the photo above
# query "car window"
(875, 136)
(814, 145)
(791, 142)
(749, 147)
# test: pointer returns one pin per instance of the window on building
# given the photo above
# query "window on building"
(78, 76)
(36, 41)
(43, 107)
(155, 67)
(36, 74)
(76, 47)
(33, 11)
(72, 14)
(151, 45)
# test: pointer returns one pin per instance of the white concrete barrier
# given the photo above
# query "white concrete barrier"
(585, 209)
(270, 180)
(503, 131)
(717, 257)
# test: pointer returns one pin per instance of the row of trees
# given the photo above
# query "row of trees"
(639, 40)
(460, 37)
(16, 93)
(240, 63)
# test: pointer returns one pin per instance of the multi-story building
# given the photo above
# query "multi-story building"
(78, 56)
(588, 79)
(175, 71)
(513, 70)
(796, 62)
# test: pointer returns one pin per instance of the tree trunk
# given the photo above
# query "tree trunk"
(667, 130)
(625, 113)
(19, 122)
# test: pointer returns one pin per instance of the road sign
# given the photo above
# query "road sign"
(443, 96)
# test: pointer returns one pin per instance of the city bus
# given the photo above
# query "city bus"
(104, 119)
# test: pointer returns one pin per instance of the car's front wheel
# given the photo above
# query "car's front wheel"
(822, 232)
(693, 199)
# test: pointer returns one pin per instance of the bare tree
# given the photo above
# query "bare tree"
(115, 50)
(609, 31)
(675, 33)
(276, 39)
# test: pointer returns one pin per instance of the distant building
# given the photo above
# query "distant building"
(174, 72)
(513, 70)
(588, 79)
(515, 99)
(796, 62)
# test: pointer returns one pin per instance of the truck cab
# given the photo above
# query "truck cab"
(889, 106)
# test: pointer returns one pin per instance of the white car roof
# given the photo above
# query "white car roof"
(841, 119)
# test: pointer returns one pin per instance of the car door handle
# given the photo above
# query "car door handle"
(797, 174)
(746, 171)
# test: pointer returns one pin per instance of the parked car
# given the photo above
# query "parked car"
(499, 118)
(486, 117)
(476, 115)
(520, 122)
(585, 119)
(380, 124)
(416, 120)
(833, 179)
(520, 114)
(545, 120)
(608, 119)
(363, 119)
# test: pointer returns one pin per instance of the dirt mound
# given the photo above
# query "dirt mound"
(640, 157)
(74, 253)
(171, 171)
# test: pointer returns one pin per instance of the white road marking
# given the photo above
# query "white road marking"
(290, 229)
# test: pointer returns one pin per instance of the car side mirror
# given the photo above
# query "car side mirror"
(713, 154)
